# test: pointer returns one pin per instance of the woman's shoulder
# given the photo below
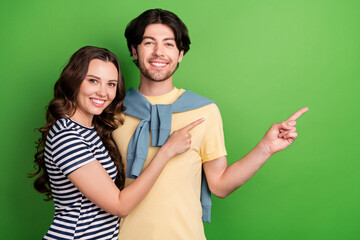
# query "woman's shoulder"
(63, 127)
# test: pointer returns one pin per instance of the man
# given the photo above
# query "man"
(158, 40)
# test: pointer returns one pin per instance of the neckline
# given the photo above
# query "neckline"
(76, 123)
(168, 95)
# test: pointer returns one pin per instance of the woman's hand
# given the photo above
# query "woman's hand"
(180, 140)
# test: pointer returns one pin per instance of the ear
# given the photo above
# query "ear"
(181, 54)
(134, 52)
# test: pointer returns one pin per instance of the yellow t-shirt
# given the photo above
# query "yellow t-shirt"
(172, 209)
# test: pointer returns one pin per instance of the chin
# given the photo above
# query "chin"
(96, 113)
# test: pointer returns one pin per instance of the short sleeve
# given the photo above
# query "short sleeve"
(213, 144)
(70, 151)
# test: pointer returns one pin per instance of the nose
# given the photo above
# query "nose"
(101, 91)
(159, 50)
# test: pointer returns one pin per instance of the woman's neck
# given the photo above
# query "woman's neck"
(82, 118)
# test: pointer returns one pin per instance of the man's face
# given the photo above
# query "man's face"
(157, 54)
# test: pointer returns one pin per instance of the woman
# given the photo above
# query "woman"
(77, 159)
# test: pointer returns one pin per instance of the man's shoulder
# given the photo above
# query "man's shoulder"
(191, 100)
(194, 93)
(211, 109)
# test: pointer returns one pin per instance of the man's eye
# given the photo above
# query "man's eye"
(147, 43)
(169, 44)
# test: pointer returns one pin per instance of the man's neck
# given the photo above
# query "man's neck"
(153, 89)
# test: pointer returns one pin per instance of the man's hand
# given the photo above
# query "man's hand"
(281, 135)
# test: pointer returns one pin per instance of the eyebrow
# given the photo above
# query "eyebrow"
(92, 76)
(113, 80)
(165, 39)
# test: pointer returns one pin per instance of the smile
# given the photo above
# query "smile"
(97, 102)
(157, 64)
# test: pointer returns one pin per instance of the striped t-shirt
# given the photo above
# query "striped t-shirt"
(70, 146)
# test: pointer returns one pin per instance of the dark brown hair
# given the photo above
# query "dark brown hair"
(64, 104)
(135, 29)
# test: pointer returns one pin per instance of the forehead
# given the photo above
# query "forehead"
(102, 69)
(159, 31)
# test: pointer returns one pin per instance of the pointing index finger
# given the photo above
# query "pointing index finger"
(298, 114)
(193, 124)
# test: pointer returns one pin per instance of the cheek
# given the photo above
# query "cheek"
(80, 97)
(144, 54)
(175, 57)
(85, 89)
(112, 94)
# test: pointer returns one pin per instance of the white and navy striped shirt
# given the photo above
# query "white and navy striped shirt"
(70, 146)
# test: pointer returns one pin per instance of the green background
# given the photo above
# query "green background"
(259, 60)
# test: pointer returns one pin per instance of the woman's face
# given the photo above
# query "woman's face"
(96, 92)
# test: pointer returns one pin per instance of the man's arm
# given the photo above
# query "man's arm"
(223, 179)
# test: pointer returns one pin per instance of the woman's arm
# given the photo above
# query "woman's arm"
(94, 182)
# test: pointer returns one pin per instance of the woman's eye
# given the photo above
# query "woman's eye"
(112, 84)
(93, 80)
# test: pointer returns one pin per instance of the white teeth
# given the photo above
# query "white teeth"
(98, 101)
(158, 64)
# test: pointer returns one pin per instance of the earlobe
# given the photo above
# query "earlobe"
(134, 53)
(181, 55)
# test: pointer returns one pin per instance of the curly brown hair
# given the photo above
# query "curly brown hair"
(64, 105)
